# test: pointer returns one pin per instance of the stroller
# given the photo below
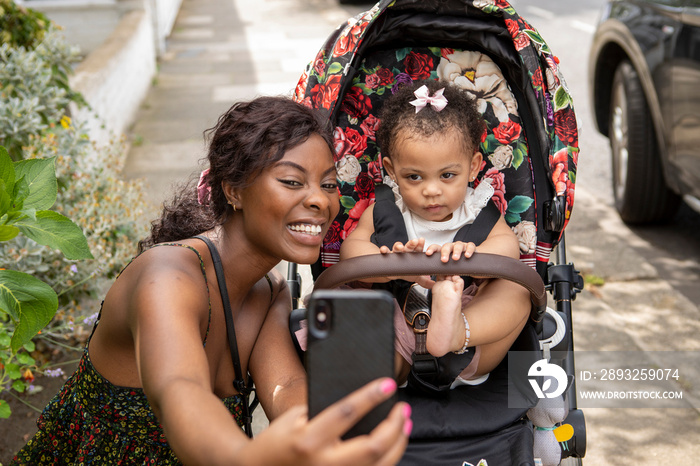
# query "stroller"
(531, 151)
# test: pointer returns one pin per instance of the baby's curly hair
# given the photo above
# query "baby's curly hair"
(398, 115)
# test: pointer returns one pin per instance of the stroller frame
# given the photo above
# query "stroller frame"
(551, 144)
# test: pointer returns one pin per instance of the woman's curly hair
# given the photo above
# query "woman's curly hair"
(398, 118)
(247, 139)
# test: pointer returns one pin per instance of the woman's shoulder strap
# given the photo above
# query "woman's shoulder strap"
(272, 289)
(191, 248)
(204, 274)
(239, 382)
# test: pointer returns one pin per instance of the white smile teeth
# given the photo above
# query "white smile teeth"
(306, 228)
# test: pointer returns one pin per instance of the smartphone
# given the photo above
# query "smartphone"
(350, 343)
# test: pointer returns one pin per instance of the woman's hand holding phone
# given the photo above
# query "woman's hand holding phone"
(295, 440)
(352, 416)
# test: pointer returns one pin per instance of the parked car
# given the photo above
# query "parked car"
(644, 74)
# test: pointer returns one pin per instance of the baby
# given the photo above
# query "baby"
(429, 136)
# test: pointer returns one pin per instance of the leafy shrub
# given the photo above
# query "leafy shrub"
(111, 211)
(35, 127)
(28, 190)
(21, 27)
(34, 89)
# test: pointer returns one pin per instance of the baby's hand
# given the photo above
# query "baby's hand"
(455, 250)
(414, 245)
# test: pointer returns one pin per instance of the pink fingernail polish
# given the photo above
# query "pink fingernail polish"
(407, 427)
(407, 411)
(388, 386)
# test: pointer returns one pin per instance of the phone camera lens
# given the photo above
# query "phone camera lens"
(322, 316)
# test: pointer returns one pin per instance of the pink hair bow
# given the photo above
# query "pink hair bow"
(423, 98)
(203, 188)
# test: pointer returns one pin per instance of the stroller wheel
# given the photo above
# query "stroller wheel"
(641, 194)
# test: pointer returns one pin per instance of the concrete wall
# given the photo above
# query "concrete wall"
(115, 78)
(164, 13)
(121, 41)
(88, 23)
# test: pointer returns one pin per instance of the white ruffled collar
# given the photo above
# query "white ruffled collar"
(475, 200)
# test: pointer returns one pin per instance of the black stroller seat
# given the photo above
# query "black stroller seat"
(497, 433)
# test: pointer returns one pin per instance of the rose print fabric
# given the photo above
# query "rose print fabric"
(349, 79)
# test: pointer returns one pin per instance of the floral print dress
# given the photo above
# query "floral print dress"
(92, 421)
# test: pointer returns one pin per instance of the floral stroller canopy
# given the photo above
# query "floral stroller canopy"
(530, 147)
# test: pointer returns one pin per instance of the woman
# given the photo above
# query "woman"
(269, 195)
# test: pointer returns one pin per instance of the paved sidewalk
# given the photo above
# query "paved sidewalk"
(221, 51)
(225, 50)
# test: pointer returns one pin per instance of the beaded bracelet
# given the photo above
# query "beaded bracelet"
(467, 335)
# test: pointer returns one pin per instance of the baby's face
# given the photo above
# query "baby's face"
(433, 174)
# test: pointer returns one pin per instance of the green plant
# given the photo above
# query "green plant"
(593, 280)
(34, 95)
(21, 27)
(28, 189)
(35, 125)
(110, 210)
(34, 89)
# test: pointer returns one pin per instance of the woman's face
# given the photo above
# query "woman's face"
(287, 210)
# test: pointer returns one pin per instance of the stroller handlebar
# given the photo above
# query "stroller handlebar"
(480, 265)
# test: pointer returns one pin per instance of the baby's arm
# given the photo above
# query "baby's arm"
(500, 309)
(495, 317)
(501, 241)
(358, 241)
(358, 244)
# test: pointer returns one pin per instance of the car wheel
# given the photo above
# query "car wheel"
(641, 194)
